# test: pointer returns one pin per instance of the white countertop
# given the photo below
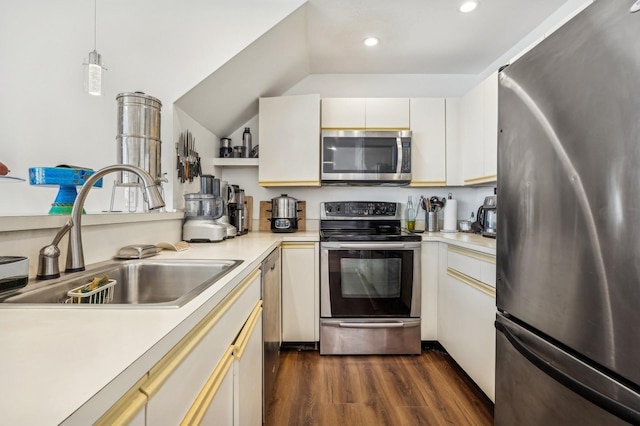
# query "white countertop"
(463, 239)
(56, 359)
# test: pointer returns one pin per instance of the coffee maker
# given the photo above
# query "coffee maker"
(488, 216)
(227, 193)
(237, 210)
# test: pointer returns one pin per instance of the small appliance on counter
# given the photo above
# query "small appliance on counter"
(487, 216)
(201, 211)
(284, 214)
(14, 272)
(227, 193)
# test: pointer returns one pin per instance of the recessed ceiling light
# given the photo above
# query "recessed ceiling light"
(468, 6)
(371, 41)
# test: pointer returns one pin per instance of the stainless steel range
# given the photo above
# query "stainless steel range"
(369, 280)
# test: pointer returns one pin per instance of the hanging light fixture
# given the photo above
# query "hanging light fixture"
(94, 68)
(468, 6)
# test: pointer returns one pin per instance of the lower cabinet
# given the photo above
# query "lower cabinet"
(247, 374)
(429, 306)
(212, 376)
(466, 312)
(300, 292)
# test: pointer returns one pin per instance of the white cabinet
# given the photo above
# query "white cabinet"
(130, 409)
(388, 113)
(466, 312)
(343, 113)
(454, 149)
(289, 134)
(429, 277)
(365, 113)
(428, 142)
(247, 397)
(187, 380)
(300, 292)
(479, 132)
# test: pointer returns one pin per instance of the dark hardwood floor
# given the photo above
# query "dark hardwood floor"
(429, 389)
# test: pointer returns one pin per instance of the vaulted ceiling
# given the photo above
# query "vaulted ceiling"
(325, 37)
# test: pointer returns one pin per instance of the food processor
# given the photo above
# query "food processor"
(201, 211)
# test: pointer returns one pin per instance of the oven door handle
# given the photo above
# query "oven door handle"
(376, 324)
(386, 246)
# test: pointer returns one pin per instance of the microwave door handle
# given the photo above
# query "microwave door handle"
(399, 151)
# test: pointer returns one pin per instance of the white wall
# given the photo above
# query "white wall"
(469, 199)
(160, 47)
(385, 85)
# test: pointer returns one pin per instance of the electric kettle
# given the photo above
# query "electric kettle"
(488, 216)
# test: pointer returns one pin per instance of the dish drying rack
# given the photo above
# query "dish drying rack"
(101, 295)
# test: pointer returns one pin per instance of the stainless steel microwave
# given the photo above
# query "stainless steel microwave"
(366, 157)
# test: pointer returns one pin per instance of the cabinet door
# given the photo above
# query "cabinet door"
(471, 331)
(247, 400)
(387, 113)
(343, 113)
(479, 132)
(177, 380)
(220, 411)
(472, 133)
(300, 292)
(428, 144)
(466, 312)
(453, 146)
(130, 409)
(214, 404)
(429, 308)
(289, 134)
(491, 126)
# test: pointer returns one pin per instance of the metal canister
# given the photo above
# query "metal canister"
(246, 142)
(138, 135)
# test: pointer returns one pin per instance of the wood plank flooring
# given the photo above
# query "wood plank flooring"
(374, 390)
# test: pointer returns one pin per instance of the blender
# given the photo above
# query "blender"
(201, 211)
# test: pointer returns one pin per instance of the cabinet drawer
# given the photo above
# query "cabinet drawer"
(477, 265)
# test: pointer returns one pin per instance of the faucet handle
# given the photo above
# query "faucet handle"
(48, 256)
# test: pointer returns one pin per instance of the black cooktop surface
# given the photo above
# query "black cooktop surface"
(363, 231)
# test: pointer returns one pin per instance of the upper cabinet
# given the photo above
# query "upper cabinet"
(289, 134)
(479, 132)
(365, 113)
(428, 142)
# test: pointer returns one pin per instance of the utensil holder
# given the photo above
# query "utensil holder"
(432, 221)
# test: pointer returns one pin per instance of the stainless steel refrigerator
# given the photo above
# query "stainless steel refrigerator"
(568, 237)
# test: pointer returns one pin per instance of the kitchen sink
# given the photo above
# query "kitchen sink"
(143, 283)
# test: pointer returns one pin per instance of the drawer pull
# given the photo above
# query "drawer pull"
(200, 406)
(167, 365)
(474, 254)
(247, 331)
(472, 282)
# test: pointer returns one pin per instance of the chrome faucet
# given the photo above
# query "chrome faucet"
(48, 259)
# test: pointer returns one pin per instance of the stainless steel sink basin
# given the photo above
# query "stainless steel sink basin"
(140, 283)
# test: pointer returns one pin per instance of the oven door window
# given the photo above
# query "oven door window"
(359, 154)
(370, 283)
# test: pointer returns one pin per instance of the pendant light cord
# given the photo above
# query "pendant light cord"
(95, 25)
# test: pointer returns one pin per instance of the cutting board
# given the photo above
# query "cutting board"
(265, 223)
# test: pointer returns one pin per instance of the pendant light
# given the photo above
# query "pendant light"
(93, 67)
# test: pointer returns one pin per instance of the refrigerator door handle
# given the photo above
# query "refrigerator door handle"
(614, 407)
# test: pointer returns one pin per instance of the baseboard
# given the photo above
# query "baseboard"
(299, 346)
(433, 345)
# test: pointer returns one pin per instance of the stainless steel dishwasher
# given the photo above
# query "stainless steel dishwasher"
(272, 323)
